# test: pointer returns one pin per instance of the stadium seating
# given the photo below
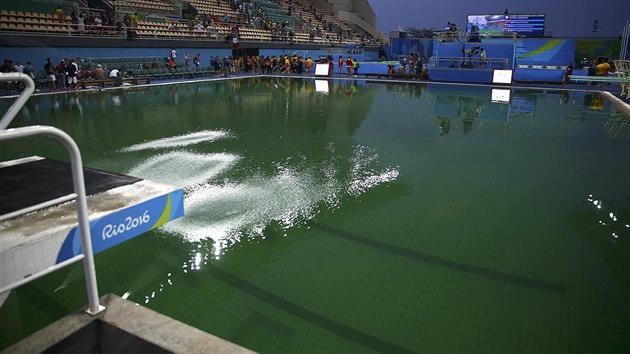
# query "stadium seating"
(157, 26)
(26, 21)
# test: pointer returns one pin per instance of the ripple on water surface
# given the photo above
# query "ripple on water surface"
(178, 141)
(183, 169)
(226, 211)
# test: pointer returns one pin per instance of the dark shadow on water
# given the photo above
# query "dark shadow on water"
(307, 315)
(442, 262)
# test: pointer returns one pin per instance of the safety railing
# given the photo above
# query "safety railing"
(470, 63)
(79, 190)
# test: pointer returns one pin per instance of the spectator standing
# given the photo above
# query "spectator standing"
(7, 67)
(355, 66)
(29, 70)
(349, 67)
(602, 69)
(49, 69)
(59, 14)
(340, 63)
(81, 24)
(174, 55)
(133, 21)
(19, 67)
(61, 71)
(569, 71)
(71, 72)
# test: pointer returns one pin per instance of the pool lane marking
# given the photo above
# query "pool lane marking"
(314, 318)
(509, 278)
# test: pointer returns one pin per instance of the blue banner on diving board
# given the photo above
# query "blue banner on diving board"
(125, 224)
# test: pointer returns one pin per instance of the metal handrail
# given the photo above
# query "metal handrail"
(476, 62)
(78, 182)
(21, 100)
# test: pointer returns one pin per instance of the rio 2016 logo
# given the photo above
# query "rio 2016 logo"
(130, 223)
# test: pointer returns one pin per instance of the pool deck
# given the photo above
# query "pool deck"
(123, 326)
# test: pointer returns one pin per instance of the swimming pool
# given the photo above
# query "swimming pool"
(352, 217)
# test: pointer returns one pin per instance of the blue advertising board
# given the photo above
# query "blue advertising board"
(125, 224)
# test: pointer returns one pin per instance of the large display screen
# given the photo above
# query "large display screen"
(506, 25)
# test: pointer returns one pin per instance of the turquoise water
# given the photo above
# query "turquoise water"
(373, 218)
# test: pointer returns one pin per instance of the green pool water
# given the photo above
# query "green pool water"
(369, 218)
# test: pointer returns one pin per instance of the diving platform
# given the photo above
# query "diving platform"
(119, 208)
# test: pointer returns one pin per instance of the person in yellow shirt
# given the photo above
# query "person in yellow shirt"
(134, 20)
(287, 65)
(59, 13)
(309, 65)
(355, 66)
(602, 68)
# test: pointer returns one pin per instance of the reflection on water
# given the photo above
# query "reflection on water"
(180, 141)
(183, 169)
(466, 106)
(225, 211)
(606, 225)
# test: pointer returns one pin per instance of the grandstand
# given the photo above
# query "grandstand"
(258, 23)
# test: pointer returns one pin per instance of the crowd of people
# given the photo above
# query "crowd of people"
(212, 25)
(99, 22)
(61, 76)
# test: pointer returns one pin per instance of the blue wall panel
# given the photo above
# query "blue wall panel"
(463, 75)
(542, 75)
(551, 52)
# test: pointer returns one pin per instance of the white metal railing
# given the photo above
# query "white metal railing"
(79, 190)
(623, 75)
(470, 63)
(623, 51)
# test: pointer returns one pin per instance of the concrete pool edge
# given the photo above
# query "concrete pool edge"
(141, 322)
(521, 85)
(619, 103)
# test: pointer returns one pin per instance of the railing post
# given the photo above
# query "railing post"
(89, 269)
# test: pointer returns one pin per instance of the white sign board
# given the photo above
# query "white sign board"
(500, 76)
(321, 69)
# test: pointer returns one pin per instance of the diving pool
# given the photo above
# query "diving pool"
(354, 217)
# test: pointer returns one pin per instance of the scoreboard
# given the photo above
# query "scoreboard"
(501, 25)
(526, 25)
